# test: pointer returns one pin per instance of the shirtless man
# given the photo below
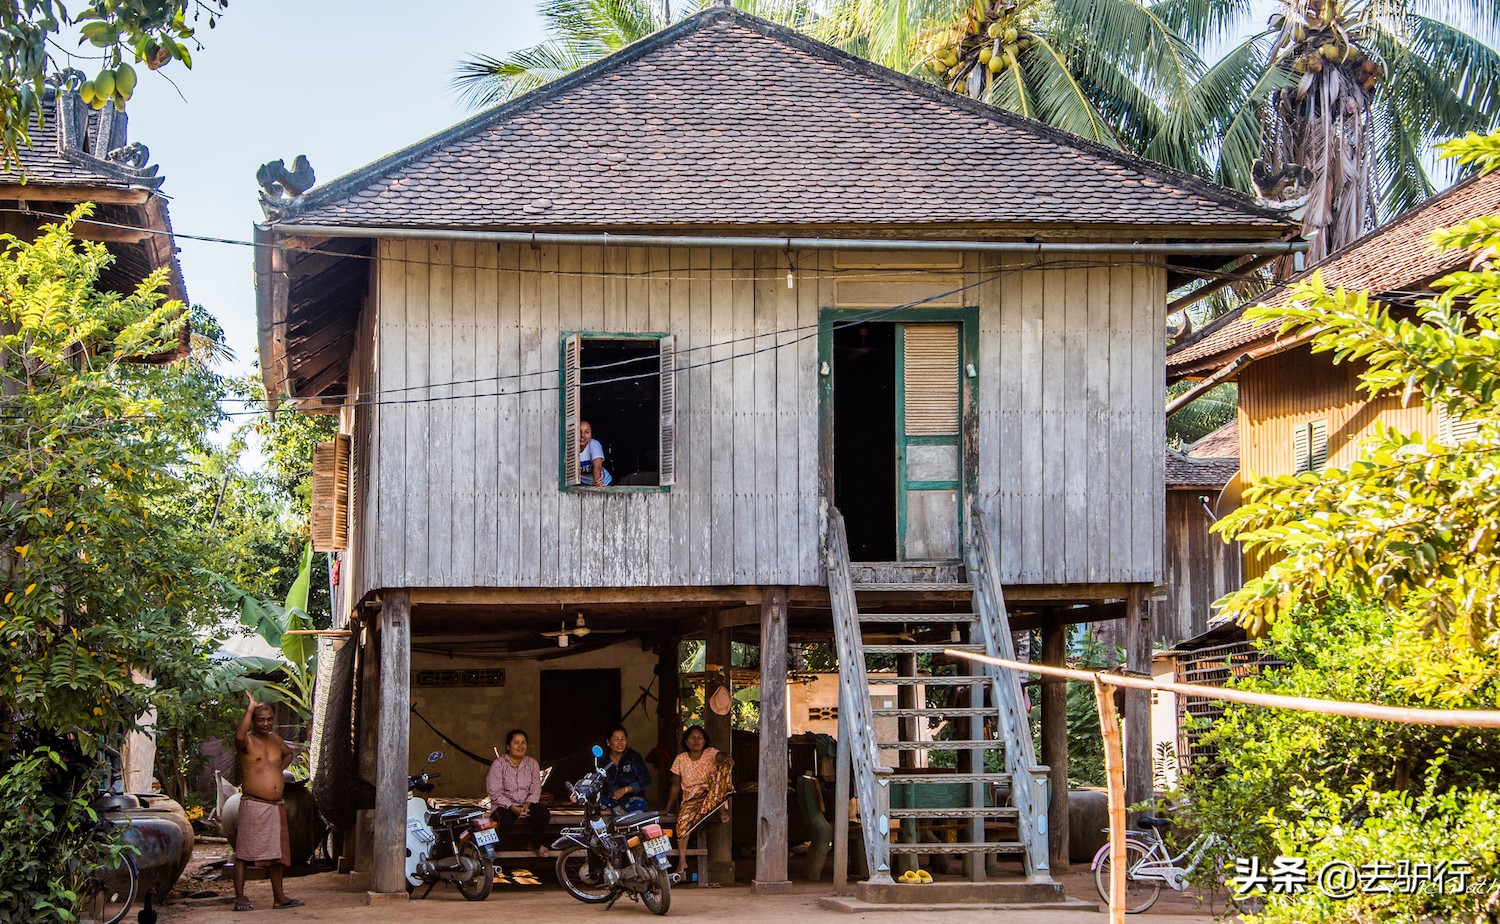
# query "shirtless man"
(261, 838)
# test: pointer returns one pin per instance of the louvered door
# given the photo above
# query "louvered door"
(929, 422)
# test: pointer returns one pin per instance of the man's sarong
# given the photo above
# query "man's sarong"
(262, 837)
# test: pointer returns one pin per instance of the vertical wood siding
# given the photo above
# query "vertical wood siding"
(1297, 387)
(1201, 567)
(464, 474)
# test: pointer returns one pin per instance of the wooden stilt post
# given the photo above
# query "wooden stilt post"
(1138, 786)
(1114, 777)
(1055, 743)
(720, 730)
(771, 822)
(391, 763)
(668, 717)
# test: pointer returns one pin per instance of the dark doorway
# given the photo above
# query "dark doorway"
(621, 400)
(578, 710)
(864, 437)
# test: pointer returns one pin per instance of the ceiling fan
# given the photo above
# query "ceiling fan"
(579, 630)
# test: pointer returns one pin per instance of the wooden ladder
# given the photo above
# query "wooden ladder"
(974, 810)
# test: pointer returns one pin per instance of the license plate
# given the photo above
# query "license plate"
(484, 836)
(657, 845)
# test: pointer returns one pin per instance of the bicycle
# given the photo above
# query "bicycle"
(1149, 863)
(110, 890)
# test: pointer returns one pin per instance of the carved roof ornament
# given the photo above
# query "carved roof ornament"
(280, 186)
(1286, 190)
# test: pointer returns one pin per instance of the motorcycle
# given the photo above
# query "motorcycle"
(451, 844)
(625, 855)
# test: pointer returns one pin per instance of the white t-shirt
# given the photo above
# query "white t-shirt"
(586, 463)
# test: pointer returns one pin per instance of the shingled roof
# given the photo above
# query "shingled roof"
(1394, 260)
(723, 120)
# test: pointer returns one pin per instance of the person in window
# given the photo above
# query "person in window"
(514, 785)
(591, 470)
(626, 777)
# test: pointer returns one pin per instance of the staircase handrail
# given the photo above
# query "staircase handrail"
(871, 786)
(1028, 780)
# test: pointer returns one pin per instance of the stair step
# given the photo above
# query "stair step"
(988, 811)
(960, 847)
(942, 745)
(913, 586)
(919, 778)
(919, 619)
(930, 681)
(917, 648)
(919, 713)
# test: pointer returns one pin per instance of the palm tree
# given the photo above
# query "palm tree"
(1348, 96)
(583, 31)
(1114, 71)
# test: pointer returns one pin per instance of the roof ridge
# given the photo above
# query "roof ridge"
(343, 186)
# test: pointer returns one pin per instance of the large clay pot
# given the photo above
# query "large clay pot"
(163, 844)
(305, 826)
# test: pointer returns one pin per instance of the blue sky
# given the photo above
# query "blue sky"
(343, 83)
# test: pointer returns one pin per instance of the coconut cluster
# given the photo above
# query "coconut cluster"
(987, 34)
(1319, 41)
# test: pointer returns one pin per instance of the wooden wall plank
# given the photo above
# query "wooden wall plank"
(489, 419)
(528, 311)
(987, 492)
(1121, 416)
(417, 415)
(442, 340)
(699, 424)
(573, 567)
(722, 468)
(1030, 448)
(1097, 410)
(1056, 422)
(810, 293)
(1010, 481)
(746, 416)
(1075, 477)
(675, 262)
(558, 301)
(463, 460)
(390, 448)
(785, 425)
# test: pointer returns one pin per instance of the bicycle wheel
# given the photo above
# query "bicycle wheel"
(1140, 894)
(109, 893)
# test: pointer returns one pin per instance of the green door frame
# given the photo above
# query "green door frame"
(968, 320)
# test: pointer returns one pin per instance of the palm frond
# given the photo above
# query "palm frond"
(1056, 97)
(1202, 21)
(482, 81)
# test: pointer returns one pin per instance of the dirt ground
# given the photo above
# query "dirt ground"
(532, 894)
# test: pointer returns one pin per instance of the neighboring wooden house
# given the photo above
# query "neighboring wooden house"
(779, 282)
(1297, 410)
(1200, 566)
(80, 155)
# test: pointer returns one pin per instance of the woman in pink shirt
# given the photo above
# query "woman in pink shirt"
(701, 779)
(514, 784)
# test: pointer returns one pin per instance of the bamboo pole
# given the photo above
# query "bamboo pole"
(1114, 776)
(1450, 718)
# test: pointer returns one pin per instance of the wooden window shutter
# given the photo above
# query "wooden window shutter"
(1317, 452)
(572, 370)
(930, 374)
(667, 464)
(1300, 460)
(1456, 431)
(330, 495)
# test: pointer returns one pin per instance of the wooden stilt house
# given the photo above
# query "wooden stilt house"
(871, 364)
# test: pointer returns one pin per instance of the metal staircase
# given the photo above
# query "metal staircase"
(982, 810)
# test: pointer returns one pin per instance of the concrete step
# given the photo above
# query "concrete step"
(998, 895)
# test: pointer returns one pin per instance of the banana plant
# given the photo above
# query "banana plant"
(275, 622)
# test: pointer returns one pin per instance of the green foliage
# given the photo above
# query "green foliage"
(1411, 525)
(297, 668)
(152, 32)
(97, 579)
(45, 850)
(1085, 740)
(1201, 417)
(1316, 786)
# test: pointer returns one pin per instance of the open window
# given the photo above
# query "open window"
(624, 387)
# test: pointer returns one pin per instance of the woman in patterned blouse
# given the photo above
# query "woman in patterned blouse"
(701, 779)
